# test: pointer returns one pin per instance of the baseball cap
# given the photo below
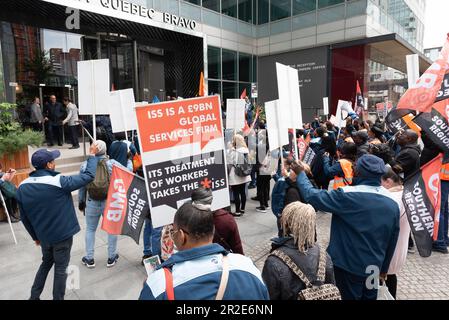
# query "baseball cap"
(41, 157)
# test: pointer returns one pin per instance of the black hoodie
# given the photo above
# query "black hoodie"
(409, 159)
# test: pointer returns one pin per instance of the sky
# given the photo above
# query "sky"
(436, 25)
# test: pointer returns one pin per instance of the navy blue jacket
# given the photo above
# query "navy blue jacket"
(46, 204)
(197, 275)
(365, 223)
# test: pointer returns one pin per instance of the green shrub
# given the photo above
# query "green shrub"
(13, 137)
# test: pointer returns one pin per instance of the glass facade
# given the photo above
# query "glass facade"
(230, 72)
(278, 16)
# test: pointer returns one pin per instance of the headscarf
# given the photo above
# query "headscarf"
(119, 152)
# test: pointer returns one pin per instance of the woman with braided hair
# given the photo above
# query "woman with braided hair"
(299, 224)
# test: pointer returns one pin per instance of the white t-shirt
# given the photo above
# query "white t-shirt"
(400, 253)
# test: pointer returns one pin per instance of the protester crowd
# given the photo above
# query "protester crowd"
(357, 175)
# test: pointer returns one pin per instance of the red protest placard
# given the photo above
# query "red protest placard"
(174, 123)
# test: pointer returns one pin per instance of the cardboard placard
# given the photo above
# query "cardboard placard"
(277, 132)
(93, 87)
(182, 149)
(289, 96)
(235, 114)
(121, 110)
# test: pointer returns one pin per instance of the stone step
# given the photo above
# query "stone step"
(69, 168)
(65, 161)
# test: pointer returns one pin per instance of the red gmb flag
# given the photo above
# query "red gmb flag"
(243, 95)
(422, 201)
(424, 94)
(127, 204)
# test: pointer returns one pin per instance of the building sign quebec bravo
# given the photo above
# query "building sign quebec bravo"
(141, 11)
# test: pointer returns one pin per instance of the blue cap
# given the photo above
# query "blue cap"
(370, 166)
(41, 157)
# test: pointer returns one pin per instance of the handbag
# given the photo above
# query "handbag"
(383, 293)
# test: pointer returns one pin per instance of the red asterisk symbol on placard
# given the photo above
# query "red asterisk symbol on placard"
(206, 183)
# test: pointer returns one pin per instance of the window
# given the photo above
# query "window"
(230, 91)
(280, 9)
(244, 67)
(229, 59)
(263, 12)
(214, 62)
(303, 6)
(212, 5)
(229, 8)
(197, 2)
(327, 3)
(214, 87)
(245, 10)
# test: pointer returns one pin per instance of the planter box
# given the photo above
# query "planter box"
(19, 161)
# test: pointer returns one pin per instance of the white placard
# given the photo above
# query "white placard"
(235, 114)
(289, 97)
(325, 106)
(121, 110)
(277, 132)
(342, 112)
(412, 69)
(93, 87)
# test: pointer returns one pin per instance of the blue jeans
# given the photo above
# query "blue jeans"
(156, 241)
(94, 210)
(53, 254)
(443, 239)
(147, 236)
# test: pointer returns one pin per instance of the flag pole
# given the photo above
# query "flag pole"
(9, 218)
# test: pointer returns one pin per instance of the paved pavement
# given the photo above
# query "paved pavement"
(420, 279)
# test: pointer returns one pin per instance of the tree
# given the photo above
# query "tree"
(40, 66)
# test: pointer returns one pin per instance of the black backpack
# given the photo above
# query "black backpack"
(243, 168)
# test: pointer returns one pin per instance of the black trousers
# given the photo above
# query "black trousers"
(58, 255)
(263, 189)
(36, 126)
(55, 133)
(239, 197)
(392, 284)
(74, 136)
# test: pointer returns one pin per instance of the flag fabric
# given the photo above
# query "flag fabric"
(202, 88)
(246, 129)
(244, 94)
(127, 204)
(359, 101)
(422, 199)
(401, 123)
(424, 94)
(436, 125)
(302, 147)
(155, 100)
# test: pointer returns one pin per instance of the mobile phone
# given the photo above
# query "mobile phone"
(151, 264)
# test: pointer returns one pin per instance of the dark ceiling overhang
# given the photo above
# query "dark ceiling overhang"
(47, 15)
(390, 50)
